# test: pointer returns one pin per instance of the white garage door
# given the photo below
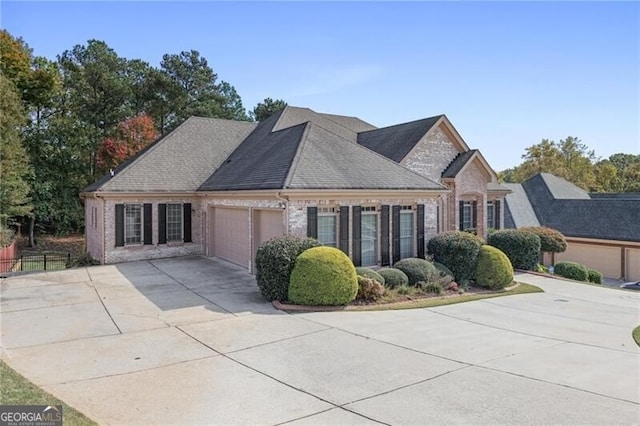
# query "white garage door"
(229, 235)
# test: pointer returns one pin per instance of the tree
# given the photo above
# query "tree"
(14, 163)
(15, 60)
(232, 104)
(132, 135)
(97, 90)
(568, 159)
(267, 108)
(606, 177)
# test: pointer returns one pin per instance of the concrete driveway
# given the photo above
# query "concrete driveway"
(190, 341)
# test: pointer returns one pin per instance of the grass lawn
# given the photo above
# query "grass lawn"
(636, 335)
(16, 390)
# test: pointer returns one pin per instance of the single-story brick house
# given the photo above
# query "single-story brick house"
(602, 230)
(221, 188)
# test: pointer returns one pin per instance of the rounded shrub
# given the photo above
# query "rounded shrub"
(521, 247)
(369, 289)
(572, 270)
(494, 269)
(370, 273)
(550, 239)
(275, 260)
(417, 270)
(458, 251)
(594, 276)
(323, 276)
(393, 277)
(443, 270)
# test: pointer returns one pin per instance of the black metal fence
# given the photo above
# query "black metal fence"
(37, 262)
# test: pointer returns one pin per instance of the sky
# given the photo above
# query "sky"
(507, 74)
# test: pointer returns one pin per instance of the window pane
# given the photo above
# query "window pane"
(490, 215)
(369, 239)
(174, 222)
(132, 223)
(406, 234)
(466, 216)
(327, 230)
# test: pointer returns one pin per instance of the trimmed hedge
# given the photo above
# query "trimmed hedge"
(369, 273)
(521, 247)
(275, 260)
(571, 270)
(323, 276)
(494, 270)
(369, 289)
(594, 276)
(550, 239)
(417, 270)
(458, 251)
(393, 277)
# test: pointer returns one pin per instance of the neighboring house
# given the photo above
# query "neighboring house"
(602, 230)
(221, 188)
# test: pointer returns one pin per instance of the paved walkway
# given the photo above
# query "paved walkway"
(190, 341)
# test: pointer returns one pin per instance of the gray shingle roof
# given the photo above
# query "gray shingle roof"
(395, 142)
(326, 161)
(458, 163)
(574, 215)
(262, 161)
(562, 189)
(181, 160)
(520, 212)
(353, 123)
(292, 116)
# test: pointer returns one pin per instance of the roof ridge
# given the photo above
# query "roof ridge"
(296, 157)
(403, 124)
(325, 114)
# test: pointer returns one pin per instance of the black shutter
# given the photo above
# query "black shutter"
(461, 226)
(357, 233)
(162, 224)
(344, 229)
(119, 225)
(384, 235)
(420, 230)
(474, 215)
(496, 214)
(186, 222)
(395, 232)
(312, 222)
(147, 222)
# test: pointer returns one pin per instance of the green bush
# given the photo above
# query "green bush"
(393, 277)
(7, 236)
(431, 287)
(443, 270)
(494, 269)
(369, 289)
(550, 239)
(323, 276)
(417, 270)
(275, 260)
(458, 251)
(369, 273)
(521, 247)
(571, 270)
(594, 276)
